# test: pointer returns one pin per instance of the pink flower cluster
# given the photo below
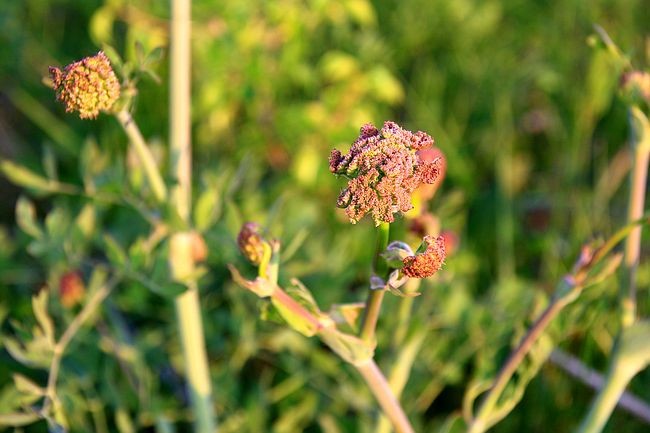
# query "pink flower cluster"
(383, 169)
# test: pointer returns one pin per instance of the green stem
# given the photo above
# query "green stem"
(636, 203)
(482, 421)
(188, 308)
(375, 296)
(615, 384)
(61, 345)
(384, 395)
(144, 155)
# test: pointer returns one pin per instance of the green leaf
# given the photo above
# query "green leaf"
(207, 209)
(26, 217)
(27, 386)
(49, 163)
(24, 177)
(115, 252)
(39, 306)
(18, 419)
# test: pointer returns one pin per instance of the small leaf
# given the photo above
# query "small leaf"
(18, 419)
(39, 306)
(24, 177)
(85, 221)
(49, 163)
(25, 385)
(114, 251)
(207, 209)
(26, 217)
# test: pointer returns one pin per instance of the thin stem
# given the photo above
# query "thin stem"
(375, 296)
(636, 203)
(385, 397)
(144, 155)
(188, 308)
(59, 348)
(480, 423)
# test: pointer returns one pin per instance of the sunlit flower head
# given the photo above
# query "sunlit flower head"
(426, 263)
(383, 169)
(87, 86)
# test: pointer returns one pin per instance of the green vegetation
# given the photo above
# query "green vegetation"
(540, 135)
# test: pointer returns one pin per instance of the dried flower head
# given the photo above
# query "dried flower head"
(87, 86)
(425, 264)
(71, 289)
(383, 169)
(251, 243)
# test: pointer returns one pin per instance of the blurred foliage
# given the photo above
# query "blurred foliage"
(524, 109)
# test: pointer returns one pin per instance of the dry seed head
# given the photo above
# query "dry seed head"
(87, 86)
(383, 169)
(427, 263)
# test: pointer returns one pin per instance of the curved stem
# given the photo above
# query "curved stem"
(384, 395)
(481, 422)
(144, 154)
(375, 296)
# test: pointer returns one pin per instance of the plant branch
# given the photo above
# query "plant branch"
(384, 395)
(59, 348)
(144, 155)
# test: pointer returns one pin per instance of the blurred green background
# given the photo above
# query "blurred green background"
(535, 138)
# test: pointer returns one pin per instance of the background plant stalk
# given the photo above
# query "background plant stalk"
(188, 309)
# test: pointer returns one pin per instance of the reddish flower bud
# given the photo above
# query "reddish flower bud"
(199, 248)
(251, 243)
(87, 86)
(71, 289)
(427, 263)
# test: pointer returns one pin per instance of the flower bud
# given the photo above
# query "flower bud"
(71, 289)
(199, 248)
(251, 243)
(87, 86)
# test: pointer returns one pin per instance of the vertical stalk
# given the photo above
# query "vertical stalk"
(638, 177)
(617, 379)
(188, 309)
(375, 296)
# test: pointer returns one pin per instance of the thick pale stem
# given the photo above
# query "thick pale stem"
(375, 296)
(617, 379)
(179, 107)
(180, 257)
(144, 154)
(638, 178)
(385, 397)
